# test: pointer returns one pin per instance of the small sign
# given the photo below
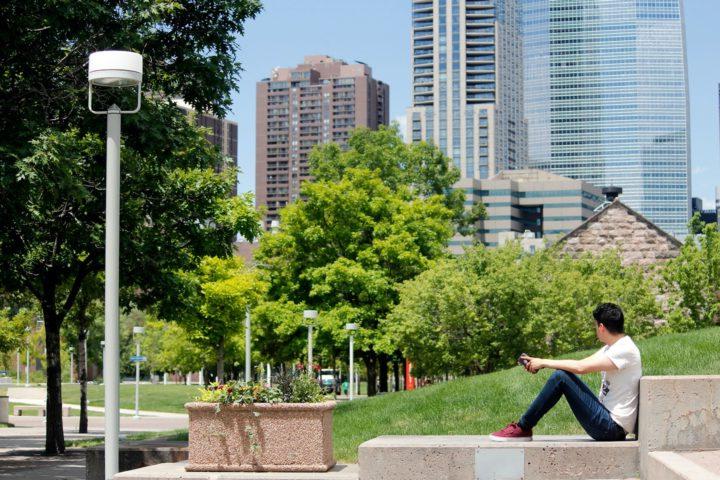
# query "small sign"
(138, 358)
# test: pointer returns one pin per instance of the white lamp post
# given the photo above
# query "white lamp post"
(247, 344)
(310, 316)
(18, 366)
(351, 327)
(137, 331)
(71, 350)
(113, 68)
(27, 359)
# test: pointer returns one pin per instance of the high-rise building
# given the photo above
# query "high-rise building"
(321, 100)
(467, 83)
(606, 99)
(221, 132)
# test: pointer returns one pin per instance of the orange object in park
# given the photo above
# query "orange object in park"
(408, 375)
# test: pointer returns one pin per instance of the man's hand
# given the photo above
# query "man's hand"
(533, 364)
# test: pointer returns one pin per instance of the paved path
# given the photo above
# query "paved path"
(21, 446)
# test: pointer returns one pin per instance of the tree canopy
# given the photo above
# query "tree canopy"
(348, 244)
(175, 207)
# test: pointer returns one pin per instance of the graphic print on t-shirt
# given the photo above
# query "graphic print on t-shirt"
(604, 389)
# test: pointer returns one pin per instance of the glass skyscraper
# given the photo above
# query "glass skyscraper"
(467, 83)
(606, 99)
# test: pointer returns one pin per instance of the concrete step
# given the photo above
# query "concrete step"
(176, 471)
(463, 457)
(701, 465)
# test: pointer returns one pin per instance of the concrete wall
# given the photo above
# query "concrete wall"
(678, 413)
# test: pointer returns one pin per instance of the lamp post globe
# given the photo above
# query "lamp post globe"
(113, 69)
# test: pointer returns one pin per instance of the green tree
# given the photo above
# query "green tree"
(216, 296)
(175, 208)
(421, 167)
(345, 248)
(692, 279)
(477, 313)
(168, 349)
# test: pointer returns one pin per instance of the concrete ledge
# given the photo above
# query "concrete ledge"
(135, 456)
(173, 471)
(675, 466)
(678, 413)
(477, 458)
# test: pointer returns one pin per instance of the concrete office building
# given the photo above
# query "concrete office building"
(467, 83)
(522, 202)
(220, 132)
(606, 99)
(321, 100)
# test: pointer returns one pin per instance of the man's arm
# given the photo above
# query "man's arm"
(594, 363)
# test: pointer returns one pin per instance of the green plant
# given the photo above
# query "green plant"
(305, 389)
(298, 389)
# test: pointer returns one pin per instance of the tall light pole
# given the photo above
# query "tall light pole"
(247, 344)
(137, 331)
(71, 350)
(113, 69)
(310, 316)
(27, 358)
(351, 327)
(17, 361)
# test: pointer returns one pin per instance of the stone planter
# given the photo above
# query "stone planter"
(281, 437)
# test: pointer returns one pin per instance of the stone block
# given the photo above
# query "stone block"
(176, 471)
(477, 458)
(134, 456)
(675, 466)
(678, 413)
(4, 407)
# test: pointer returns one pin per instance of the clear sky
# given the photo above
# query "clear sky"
(377, 32)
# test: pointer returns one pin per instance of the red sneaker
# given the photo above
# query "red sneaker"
(512, 433)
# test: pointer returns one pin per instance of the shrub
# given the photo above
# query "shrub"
(300, 389)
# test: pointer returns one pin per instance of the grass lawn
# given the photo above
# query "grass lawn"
(484, 403)
(158, 398)
(173, 435)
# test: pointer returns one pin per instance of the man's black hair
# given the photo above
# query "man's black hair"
(611, 316)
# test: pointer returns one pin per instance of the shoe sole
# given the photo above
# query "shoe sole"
(510, 439)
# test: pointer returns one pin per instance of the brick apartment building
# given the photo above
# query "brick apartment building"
(319, 101)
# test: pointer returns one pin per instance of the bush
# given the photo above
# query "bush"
(299, 389)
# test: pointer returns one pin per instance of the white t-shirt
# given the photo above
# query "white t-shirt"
(620, 388)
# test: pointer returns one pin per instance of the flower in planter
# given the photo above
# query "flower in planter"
(291, 389)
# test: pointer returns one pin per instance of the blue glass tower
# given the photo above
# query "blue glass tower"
(606, 99)
(467, 83)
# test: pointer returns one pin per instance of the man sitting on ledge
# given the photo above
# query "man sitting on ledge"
(609, 416)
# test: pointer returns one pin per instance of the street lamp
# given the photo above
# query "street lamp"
(137, 331)
(310, 316)
(71, 350)
(114, 69)
(27, 359)
(351, 327)
(247, 344)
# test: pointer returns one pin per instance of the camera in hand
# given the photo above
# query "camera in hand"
(523, 361)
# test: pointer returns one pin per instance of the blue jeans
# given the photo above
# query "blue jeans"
(592, 415)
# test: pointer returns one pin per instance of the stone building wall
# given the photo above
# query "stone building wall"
(619, 227)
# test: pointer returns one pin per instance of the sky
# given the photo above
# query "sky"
(377, 32)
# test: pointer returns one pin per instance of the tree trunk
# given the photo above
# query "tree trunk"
(383, 360)
(221, 360)
(54, 438)
(405, 375)
(370, 359)
(396, 373)
(82, 371)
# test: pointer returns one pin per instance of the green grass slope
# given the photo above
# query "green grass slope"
(482, 404)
